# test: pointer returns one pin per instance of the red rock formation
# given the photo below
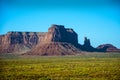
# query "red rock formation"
(57, 41)
(87, 46)
(57, 33)
(19, 41)
(54, 48)
(107, 48)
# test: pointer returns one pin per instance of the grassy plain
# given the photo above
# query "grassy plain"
(87, 66)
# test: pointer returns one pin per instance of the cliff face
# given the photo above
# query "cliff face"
(57, 41)
(57, 33)
(17, 41)
(56, 36)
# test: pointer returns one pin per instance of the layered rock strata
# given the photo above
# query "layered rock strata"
(57, 41)
(19, 41)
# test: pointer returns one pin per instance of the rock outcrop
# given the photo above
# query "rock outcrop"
(19, 41)
(107, 48)
(57, 33)
(87, 46)
(57, 41)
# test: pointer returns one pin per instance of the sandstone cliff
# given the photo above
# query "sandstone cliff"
(19, 41)
(57, 41)
(57, 33)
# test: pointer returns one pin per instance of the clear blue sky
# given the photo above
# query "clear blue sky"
(99, 20)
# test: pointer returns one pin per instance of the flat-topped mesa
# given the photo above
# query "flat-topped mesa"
(18, 41)
(57, 33)
(57, 41)
(25, 38)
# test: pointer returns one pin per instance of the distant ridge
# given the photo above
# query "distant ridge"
(57, 41)
(107, 48)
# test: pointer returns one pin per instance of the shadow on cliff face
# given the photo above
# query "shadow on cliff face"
(18, 41)
(57, 41)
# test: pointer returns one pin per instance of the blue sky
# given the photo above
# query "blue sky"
(98, 20)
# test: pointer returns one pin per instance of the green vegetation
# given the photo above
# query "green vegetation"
(87, 66)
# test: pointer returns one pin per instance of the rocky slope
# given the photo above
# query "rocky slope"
(107, 48)
(54, 48)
